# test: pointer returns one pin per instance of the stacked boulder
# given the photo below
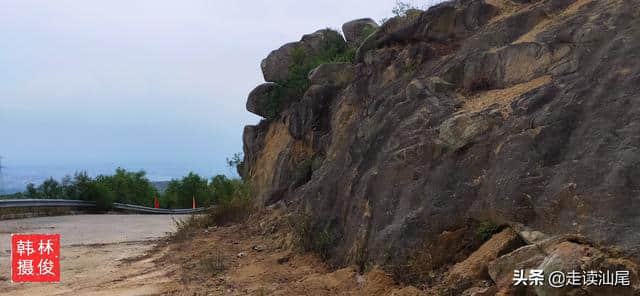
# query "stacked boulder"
(299, 103)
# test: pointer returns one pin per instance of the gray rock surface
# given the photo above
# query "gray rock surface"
(275, 67)
(540, 127)
(356, 31)
(260, 98)
(333, 74)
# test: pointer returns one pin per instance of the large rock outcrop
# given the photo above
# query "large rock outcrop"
(516, 112)
(276, 66)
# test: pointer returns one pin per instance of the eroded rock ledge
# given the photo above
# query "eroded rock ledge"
(514, 112)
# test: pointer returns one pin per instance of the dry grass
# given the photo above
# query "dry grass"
(185, 228)
(311, 237)
(507, 9)
(502, 97)
(213, 263)
(546, 23)
(278, 269)
(235, 211)
(419, 269)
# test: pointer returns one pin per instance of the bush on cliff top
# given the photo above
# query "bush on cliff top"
(297, 81)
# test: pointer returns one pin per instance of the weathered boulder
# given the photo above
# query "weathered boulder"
(440, 23)
(322, 40)
(529, 235)
(276, 66)
(613, 265)
(260, 100)
(358, 30)
(568, 257)
(307, 114)
(504, 67)
(502, 268)
(475, 267)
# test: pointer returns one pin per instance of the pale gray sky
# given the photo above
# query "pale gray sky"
(142, 83)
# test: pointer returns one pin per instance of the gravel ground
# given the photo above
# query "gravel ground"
(94, 254)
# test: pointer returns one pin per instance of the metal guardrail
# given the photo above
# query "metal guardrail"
(28, 203)
(142, 209)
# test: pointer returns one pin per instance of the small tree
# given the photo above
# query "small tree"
(180, 193)
(32, 191)
(401, 8)
(236, 162)
(101, 194)
(50, 189)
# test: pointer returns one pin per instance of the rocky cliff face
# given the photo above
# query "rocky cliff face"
(522, 113)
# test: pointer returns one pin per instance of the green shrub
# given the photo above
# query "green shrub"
(403, 10)
(367, 31)
(50, 189)
(123, 186)
(234, 206)
(128, 187)
(180, 193)
(102, 195)
(236, 162)
(485, 230)
(236, 210)
(297, 82)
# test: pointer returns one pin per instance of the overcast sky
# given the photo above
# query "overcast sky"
(142, 83)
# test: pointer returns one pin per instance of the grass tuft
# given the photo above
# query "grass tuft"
(312, 237)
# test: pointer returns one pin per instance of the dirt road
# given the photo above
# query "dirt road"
(118, 255)
(97, 252)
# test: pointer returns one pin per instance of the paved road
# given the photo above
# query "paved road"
(93, 249)
(90, 229)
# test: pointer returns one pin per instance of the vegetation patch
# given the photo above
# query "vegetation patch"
(233, 207)
(135, 188)
(404, 11)
(123, 186)
(297, 82)
(313, 237)
(485, 230)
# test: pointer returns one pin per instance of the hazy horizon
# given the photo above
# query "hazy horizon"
(153, 85)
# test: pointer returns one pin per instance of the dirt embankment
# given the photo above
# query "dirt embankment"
(259, 259)
(127, 255)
